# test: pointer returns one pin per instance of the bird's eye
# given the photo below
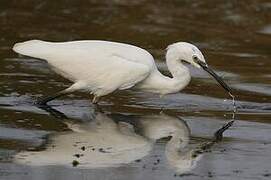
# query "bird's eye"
(195, 58)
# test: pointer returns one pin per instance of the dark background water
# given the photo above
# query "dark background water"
(235, 37)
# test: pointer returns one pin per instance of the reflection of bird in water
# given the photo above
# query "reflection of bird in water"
(102, 67)
(102, 142)
(99, 143)
(178, 155)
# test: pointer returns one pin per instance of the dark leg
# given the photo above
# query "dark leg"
(44, 100)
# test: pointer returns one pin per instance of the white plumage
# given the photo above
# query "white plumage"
(101, 67)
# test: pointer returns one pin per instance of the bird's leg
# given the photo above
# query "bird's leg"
(95, 100)
(44, 100)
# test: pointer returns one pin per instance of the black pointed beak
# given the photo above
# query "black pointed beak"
(217, 78)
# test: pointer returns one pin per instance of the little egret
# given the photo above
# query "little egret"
(101, 67)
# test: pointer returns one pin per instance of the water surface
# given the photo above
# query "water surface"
(235, 39)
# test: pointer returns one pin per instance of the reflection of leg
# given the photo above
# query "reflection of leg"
(97, 107)
(161, 110)
(57, 114)
(44, 100)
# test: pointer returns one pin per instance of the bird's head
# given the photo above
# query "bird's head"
(189, 53)
(186, 52)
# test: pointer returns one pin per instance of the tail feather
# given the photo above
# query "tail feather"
(32, 48)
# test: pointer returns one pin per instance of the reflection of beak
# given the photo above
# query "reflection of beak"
(217, 78)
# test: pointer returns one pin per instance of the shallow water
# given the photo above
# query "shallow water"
(235, 39)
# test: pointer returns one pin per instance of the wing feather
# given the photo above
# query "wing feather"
(103, 75)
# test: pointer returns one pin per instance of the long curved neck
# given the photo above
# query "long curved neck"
(177, 143)
(180, 73)
(178, 155)
(161, 84)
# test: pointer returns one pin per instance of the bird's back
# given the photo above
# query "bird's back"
(85, 49)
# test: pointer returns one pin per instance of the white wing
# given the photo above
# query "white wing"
(102, 77)
(99, 67)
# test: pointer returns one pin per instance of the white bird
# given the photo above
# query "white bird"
(102, 67)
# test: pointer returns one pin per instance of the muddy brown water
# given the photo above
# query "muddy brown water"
(235, 37)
